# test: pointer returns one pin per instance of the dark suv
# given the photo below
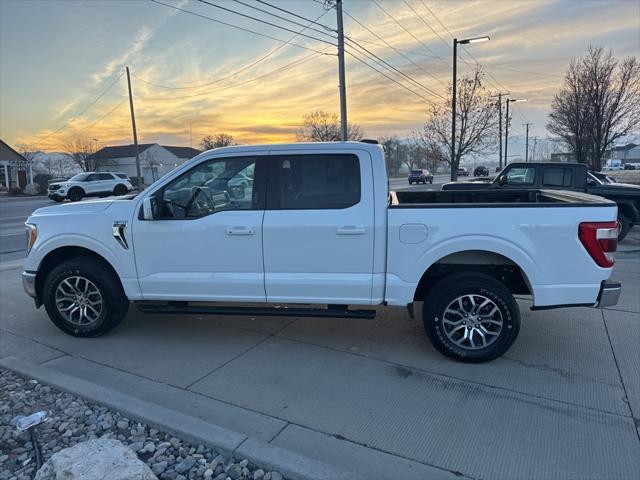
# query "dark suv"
(420, 176)
(481, 171)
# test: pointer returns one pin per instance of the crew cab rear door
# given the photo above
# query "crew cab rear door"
(318, 229)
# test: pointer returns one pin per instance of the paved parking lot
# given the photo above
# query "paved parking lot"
(373, 396)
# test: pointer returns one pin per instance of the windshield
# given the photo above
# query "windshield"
(416, 172)
(79, 177)
(602, 178)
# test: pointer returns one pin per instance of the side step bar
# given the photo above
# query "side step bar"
(332, 311)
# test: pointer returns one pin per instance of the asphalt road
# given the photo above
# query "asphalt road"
(373, 396)
(14, 211)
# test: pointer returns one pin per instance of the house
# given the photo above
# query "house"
(155, 160)
(13, 167)
(629, 153)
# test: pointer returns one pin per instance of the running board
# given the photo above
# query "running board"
(333, 311)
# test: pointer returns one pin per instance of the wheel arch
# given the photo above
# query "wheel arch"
(61, 254)
(497, 265)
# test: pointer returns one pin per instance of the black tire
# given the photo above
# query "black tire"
(120, 190)
(57, 199)
(75, 194)
(410, 182)
(114, 304)
(431, 181)
(448, 290)
(625, 226)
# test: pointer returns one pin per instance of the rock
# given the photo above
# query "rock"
(149, 447)
(208, 473)
(234, 471)
(185, 465)
(276, 475)
(258, 474)
(181, 477)
(159, 467)
(222, 476)
(244, 463)
(136, 446)
(92, 459)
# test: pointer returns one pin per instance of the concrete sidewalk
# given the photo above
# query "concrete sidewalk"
(373, 397)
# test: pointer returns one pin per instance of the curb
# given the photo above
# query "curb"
(292, 465)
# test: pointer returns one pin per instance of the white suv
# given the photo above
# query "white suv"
(90, 184)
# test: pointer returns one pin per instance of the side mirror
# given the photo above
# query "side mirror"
(149, 208)
(502, 180)
(591, 182)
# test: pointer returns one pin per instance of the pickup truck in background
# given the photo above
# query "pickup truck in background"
(564, 176)
(318, 230)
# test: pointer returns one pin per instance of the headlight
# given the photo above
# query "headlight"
(32, 235)
(66, 185)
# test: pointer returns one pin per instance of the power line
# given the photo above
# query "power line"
(390, 67)
(277, 70)
(246, 67)
(427, 24)
(235, 26)
(309, 27)
(75, 117)
(298, 16)
(412, 35)
(391, 46)
(220, 7)
(389, 78)
(101, 118)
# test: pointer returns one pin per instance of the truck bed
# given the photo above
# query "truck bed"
(494, 198)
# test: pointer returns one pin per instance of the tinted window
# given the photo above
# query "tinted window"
(521, 176)
(416, 172)
(318, 181)
(213, 186)
(81, 177)
(557, 177)
(121, 175)
(104, 176)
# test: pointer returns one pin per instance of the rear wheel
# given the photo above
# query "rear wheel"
(625, 226)
(84, 298)
(471, 317)
(75, 194)
(120, 190)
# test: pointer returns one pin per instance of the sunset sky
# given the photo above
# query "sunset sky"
(57, 57)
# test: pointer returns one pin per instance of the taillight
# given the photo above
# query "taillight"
(601, 241)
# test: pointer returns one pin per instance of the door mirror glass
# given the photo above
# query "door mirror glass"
(237, 192)
(149, 206)
(591, 182)
(502, 179)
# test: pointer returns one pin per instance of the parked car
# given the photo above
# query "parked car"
(481, 171)
(566, 176)
(629, 166)
(319, 227)
(420, 176)
(90, 184)
(463, 172)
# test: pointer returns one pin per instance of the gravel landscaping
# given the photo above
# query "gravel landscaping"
(72, 420)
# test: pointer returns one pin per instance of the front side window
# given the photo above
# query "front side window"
(557, 177)
(213, 186)
(328, 181)
(521, 176)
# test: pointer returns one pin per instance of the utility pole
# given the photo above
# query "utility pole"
(135, 132)
(506, 134)
(454, 167)
(526, 144)
(341, 73)
(500, 127)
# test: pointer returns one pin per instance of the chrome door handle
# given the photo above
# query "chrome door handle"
(239, 231)
(350, 230)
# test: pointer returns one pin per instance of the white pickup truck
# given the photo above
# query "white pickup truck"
(315, 227)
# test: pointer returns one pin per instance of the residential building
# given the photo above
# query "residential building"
(155, 160)
(13, 167)
(629, 153)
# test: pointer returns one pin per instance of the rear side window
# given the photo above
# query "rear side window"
(557, 177)
(104, 176)
(318, 181)
(121, 175)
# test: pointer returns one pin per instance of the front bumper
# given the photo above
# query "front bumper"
(609, 294)
(29, 283)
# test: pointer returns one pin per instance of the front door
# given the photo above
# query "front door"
(205, 242)
(319, 229)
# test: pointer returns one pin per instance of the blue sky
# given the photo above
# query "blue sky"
(58, 56)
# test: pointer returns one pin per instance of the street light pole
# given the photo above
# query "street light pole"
(454, 85)
(506, 132)
(341, 73)
(135, 131)
(526, 144)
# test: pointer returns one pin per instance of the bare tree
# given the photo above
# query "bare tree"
(216, 141)
(391, 146)
(598, 104)
(152, 163)
(476, 123)
(322, 126)
(80, 152)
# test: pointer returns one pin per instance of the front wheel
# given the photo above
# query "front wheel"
(75, 194)
(431, 181)
(84, 298)
(471, 317)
